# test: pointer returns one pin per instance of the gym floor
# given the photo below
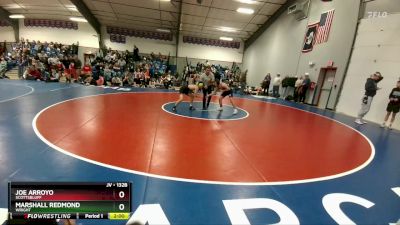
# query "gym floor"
(274, 161)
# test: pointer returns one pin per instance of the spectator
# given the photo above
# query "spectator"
(72, 70)
(34, 74)
(297, 88)
(266, 83)
(3, 68)
(167, 80)
(393, 106)
(243, 82)
(54, 76)
(304, 87)
(66, 64)
(275, 88)
(371, 87)
(116, 81)
(128, 78)
(136, 56)
(78, 66)
(86, 72)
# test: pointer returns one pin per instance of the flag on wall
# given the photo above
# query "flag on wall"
(309, 39)
(324, 27)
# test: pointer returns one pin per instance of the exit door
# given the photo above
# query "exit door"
(324, 87)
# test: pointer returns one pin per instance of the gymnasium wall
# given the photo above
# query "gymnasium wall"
(7, 34)
(210, 52)
(376, 48)
(200, 52)
(278, 49)
(145, 45)
(389, 6)
(85, 34)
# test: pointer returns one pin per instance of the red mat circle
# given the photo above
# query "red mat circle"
(274, 144)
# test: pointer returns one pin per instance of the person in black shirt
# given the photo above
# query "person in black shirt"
(371, 86)
(394, 105)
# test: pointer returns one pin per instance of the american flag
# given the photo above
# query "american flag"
(324, 27)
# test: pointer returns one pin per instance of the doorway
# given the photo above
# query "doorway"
(324, 87)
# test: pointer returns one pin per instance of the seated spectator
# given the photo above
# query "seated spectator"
(117, 70)
(54, 76)
(121, 62)
(128, 79)
(116, 81)
(107, 74)
(86, 72)
(100, 81)
(137, 77)
(167, 80)
(33, 74)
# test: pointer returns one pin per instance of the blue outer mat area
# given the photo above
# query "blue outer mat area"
(24, 157)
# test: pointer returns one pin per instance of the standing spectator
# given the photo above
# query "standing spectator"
(3, 48)
(78, 66)
(243, 82)
(304, 87)
(72, 70)
(276, 84)
(394, 105)
(3, 68)
(297, 88)
(66, 64)
(136, 54)
(266, 83)
(371, 86)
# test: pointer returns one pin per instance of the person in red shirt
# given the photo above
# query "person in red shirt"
(34, 74)
(86, 72)
(72, 70)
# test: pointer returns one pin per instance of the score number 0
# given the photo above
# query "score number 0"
(121, 195)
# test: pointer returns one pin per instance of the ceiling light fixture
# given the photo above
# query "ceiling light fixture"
(163, 30)
(226, 38)
(227, 29)
(73, 9)
(247, 1)
(245, 10)
(12, 6)
(16, 16)
(78, 19)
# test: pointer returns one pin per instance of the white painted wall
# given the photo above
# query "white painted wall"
(377, 48)
(209, 52)
(144, 45)
(7, 34)
(278, 49)
(389, 6)
(85, 34)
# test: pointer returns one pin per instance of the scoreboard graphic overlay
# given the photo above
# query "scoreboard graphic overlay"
(38, 200)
